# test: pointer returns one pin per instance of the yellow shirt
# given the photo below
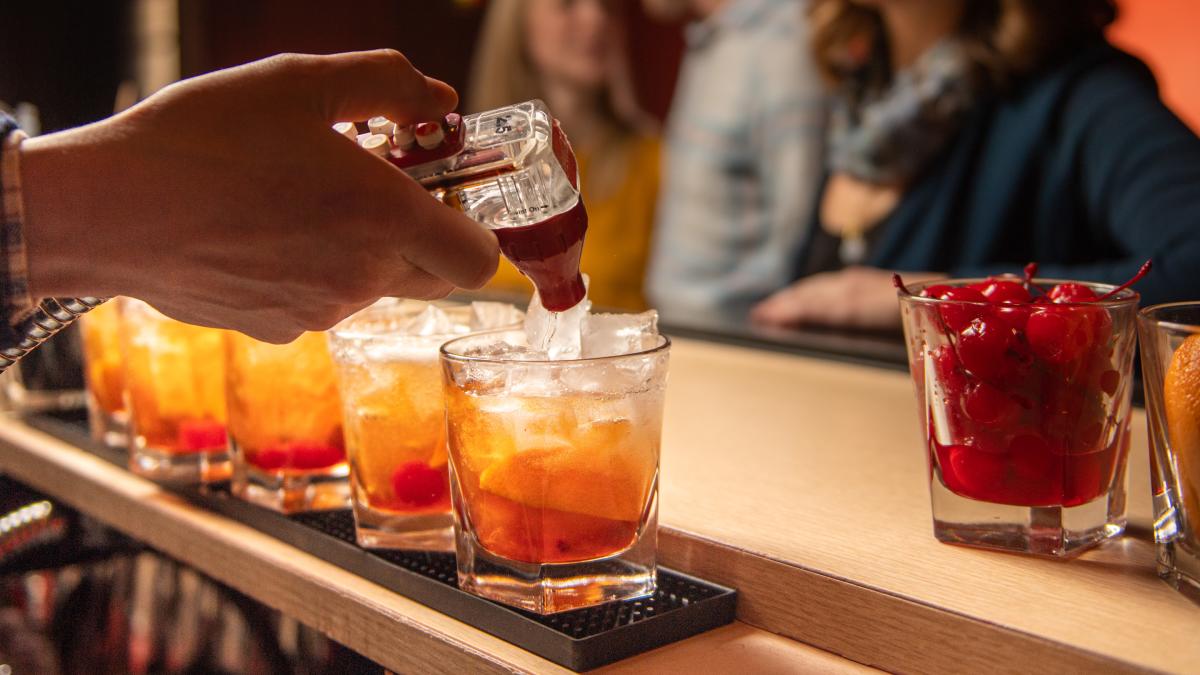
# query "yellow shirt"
(617, 244)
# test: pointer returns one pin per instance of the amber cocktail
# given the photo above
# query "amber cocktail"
(285, 424)
(554, 470)
(391, 387)
(175, 388)
(104, 373)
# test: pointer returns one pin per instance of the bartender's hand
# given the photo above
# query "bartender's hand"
(227, 200)
(856, 297)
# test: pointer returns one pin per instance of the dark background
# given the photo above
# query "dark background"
(68, 58)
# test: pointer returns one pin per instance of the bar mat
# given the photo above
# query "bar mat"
(581, 639)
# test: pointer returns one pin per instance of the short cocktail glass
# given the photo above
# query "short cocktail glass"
(395, 417)
(1170, 340)
(104, 373)
(175, 394)
(285, 424)
(554, 471)
(1025, 410)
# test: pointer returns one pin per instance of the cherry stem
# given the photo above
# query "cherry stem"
(1030, 273)
(1143, 271)
(899, 284)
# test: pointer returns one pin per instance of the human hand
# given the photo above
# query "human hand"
(227, 200)
(856, 297)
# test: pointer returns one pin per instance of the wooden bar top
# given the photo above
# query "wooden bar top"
(799, 481)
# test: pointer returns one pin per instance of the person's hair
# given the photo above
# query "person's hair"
(502, 74)
(1007, 39)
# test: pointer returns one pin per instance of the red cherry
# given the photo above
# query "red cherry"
(989, 406)
(418, 484)
(982, 347)
(976, 475)
(1005, 291)
(312, 455)
(1072, 292)
(200, 435)
(957, 313)
(1109, 381)
(935, 291)
(269, 458)
(1059, 335)
(948, 372)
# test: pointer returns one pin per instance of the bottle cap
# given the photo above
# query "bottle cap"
(346, 129)
(376, 144)
(429, 135)
(381, 125)
(404, 137)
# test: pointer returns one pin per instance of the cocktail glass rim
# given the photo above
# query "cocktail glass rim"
(343, 330)
(664, 343)
(1146, 314)
(1123, 298)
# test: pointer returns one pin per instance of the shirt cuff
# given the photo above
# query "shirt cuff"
(16, 304)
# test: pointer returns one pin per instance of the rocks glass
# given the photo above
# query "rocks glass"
(1025, 410)
(554, 470)
(1170, 339)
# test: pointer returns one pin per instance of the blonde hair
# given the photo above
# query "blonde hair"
(502, 73)
(1007, 39)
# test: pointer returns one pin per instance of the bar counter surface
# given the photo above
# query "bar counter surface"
(800, 481)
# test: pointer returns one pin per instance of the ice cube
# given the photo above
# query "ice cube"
(431, 321)
(490, 315)
(556, 333)
(617, 334)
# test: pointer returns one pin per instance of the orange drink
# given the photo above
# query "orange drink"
(391, 388)
(175, 394)
(554, 470)
(104, 374)
(285, 424)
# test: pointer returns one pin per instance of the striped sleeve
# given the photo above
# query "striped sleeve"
(15, 303)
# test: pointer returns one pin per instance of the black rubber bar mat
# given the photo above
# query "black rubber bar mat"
(581, 639)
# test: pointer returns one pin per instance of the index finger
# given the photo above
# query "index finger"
(359, 85)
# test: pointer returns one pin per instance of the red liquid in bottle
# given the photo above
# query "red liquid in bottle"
(548, 253)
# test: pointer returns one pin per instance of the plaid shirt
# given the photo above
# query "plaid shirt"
(15, 303)
(743, 162)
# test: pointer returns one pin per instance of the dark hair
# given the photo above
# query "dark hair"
(1006, 38)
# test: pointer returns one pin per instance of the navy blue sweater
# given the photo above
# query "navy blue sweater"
(1082, 169)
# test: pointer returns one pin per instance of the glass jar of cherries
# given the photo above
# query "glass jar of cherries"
(1024, 392)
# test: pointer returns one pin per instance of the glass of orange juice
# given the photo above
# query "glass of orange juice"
(1170, 343)
(554, 470)
(391, 387)
(285, 424)
(104, 373)
(175, 394)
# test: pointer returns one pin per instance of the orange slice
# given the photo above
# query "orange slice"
(1181, 396)
(587, 480)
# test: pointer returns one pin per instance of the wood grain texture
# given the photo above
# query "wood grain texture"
(402, 635)
(803, 483)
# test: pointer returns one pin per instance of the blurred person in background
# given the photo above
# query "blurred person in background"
(572, 55)
(743, 157)
(972, 137)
